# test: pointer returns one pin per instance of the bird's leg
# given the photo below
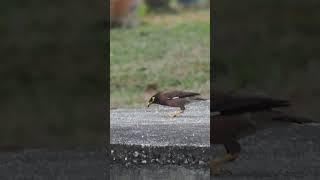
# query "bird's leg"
(215, 165)
(182, 108)
(176, 113)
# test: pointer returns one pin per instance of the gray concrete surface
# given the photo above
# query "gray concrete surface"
(291, 153)
(147, 144)
(153, 126)
(151, 136)
(171, 172)
(42, 164)
(279, 153)
(134, 155)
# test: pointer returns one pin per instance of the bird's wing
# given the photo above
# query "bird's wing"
(178, 94)
(238, 103)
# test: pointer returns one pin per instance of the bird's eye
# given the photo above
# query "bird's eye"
(152, 99)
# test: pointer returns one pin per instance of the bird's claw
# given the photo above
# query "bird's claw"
(175, 114)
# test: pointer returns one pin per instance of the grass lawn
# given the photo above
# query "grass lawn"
(170, 50)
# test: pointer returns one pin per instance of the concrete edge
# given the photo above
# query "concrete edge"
(139, 155)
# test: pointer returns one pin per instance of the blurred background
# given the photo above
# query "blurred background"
(271, 47)
(52, 74)
(158, 45)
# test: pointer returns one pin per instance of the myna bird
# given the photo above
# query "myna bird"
(174, 99)
(238, 116)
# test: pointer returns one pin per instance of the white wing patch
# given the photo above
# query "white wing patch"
(174, 98)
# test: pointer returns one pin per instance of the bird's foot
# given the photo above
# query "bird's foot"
(175, 114)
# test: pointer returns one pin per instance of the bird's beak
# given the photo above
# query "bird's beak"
(149, 104)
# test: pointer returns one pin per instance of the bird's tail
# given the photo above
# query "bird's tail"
(200, 99)
(280, 116)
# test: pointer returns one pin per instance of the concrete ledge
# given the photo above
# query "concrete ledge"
(149, 136)
(172, 172)
(128, 155)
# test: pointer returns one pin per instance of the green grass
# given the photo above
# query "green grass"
(173, 53)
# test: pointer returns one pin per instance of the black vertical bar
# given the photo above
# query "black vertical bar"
(107, 171)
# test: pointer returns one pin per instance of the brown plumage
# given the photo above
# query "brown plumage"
(239, 102)
(174, 99)
(239, 115)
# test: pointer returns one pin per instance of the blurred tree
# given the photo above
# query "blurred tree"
(187, 2)
(122, 12)
(158, 5)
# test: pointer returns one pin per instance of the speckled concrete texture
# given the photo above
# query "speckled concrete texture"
(147, 144)
(39, 164)
(291, 152)
(153, 172)
(153, 126)
(134, 155)
(279, 153)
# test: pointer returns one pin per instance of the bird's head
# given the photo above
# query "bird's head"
(152, 100)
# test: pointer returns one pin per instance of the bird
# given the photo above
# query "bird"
(235, 116)
(174, 98)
